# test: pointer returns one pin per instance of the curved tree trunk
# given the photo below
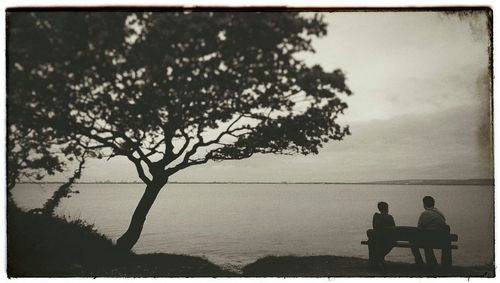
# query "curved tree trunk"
(130, 238)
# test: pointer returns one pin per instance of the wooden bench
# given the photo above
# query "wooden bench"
(410, 237)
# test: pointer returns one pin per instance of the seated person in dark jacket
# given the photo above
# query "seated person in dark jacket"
(382, 219)
(382, 243)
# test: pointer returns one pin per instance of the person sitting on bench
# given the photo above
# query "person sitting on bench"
(384, 243)
(382, 219)
(431, 219)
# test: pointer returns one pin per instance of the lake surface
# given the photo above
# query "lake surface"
(235, 224)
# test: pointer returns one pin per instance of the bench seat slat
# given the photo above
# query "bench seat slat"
(408, 245)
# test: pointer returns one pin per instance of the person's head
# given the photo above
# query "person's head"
(383, 207)
(428, 202)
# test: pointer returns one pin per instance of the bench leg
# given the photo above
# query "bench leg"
(446, 257)
(430, 258)
(418, 256)
(372, 254)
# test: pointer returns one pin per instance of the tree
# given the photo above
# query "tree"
(31, 153)
(170, 90)
(27, 156)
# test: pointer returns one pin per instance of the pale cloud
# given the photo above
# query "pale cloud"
(404, 62)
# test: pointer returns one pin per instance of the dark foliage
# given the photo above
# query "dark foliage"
(63, 191)
(41, 245)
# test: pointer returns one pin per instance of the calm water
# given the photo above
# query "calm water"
(235, 224)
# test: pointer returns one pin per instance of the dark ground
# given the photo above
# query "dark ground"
(42, 246)
(335, 266)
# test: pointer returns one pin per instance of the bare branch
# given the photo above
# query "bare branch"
(186, 162)
(88, 147)
(184, 146)
(109, 142)
(153, 150)
(143, 157)
(140, 170)
(168, 158)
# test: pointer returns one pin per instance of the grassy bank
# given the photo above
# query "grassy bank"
(41, 246)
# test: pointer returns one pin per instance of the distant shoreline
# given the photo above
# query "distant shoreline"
(392, 182)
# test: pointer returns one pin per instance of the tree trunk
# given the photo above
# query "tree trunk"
(130, 238)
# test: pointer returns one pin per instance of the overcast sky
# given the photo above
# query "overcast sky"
(420, 107)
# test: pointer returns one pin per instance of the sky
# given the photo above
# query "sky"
(420, 109)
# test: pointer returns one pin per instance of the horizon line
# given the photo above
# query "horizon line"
(386, 182)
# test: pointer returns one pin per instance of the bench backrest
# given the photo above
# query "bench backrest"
(413, 234)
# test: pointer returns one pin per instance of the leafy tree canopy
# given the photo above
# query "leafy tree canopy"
(167, 90)
(171, 90)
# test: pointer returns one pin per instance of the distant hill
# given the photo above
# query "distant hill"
(437, 182)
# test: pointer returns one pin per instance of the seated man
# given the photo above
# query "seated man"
(433, 220)
(381, 242)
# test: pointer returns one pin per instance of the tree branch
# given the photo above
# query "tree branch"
(140, 170)
(186, 162)
(65, 189)
(106, 142)
(152, 150)
(119, 151)
(168, 158)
